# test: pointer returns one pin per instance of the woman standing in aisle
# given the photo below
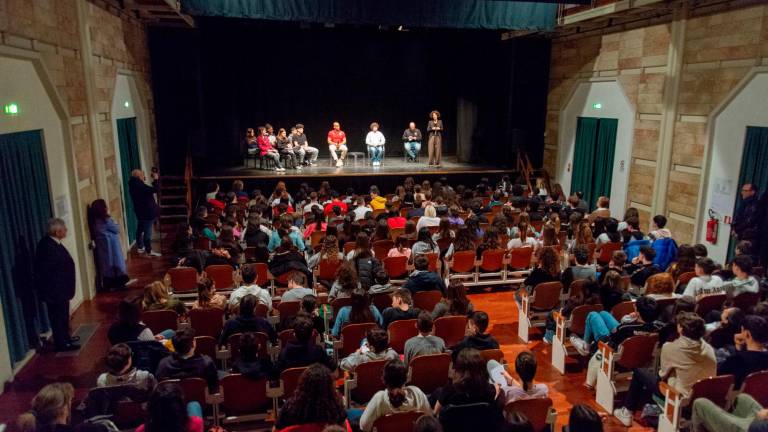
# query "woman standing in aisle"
(435, 134)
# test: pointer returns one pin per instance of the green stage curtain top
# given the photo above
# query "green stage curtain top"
(471, 14)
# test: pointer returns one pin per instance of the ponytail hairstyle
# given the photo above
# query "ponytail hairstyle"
(394, 376)
(205, 292)
(49, 404)
(525, 366)
(522, 227)
(400, 243)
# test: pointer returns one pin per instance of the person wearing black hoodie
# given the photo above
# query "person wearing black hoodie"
(145, 207)
(247, 321)
(185, 363)
(478, 338)
(422, 279)
(303, 350)
(250, 364)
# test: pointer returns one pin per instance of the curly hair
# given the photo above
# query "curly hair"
(330, 248)
(549, 261)
(315, 400)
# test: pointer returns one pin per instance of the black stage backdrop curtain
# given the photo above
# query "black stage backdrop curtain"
(213, 82)
(476, 14)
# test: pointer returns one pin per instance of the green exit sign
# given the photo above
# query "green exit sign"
(597, 106)
(11, 109)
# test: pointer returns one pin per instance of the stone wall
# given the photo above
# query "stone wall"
(717, 52)
(52, 29)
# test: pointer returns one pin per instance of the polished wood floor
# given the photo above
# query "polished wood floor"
(82, 370)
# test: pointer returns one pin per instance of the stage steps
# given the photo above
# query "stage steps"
(173, 206)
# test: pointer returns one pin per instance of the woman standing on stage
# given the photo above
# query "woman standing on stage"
(435, 134)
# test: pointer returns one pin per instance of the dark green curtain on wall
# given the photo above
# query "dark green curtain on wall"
(754, 167)
(129, 160)
(479, 14)
(25, 209)
(593, 157)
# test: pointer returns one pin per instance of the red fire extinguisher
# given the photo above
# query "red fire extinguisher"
(712, 226)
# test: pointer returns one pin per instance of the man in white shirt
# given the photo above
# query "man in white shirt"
(312, 203)
(704, 283)
(248, 274)
(375, 141)
(296, 290)
(361, 209)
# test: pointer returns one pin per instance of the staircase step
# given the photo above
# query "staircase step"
(173, 217)
(168, 206)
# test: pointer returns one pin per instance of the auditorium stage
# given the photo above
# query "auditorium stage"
(391, 173)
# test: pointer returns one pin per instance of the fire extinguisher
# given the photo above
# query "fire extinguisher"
(712, 226)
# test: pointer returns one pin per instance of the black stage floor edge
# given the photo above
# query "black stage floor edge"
(391, 173)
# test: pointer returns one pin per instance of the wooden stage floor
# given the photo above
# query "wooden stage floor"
(394, 166)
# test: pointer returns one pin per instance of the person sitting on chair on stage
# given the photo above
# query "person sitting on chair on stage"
(266, 149)
(375, 142)
(285, 147)
(337, 140)
(412, 141)
(301, 147)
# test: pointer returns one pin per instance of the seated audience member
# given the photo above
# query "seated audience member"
(747, 415)
(381, 232)
(618, 259)
(704, 283)
(425, 342)
(455, 302)
(427, 423)
(743, 281)
(421, 279)
(166, 411)
(50, 411)
(751, 355)
(400, 248)
(583, 419)
(642, 267)
(394, 220)
(120, 370)
(361, 311)
(396, 398)
(444, 231)
(378, 202)
(700, 251)
(287, 259)
(612, 290)
(247, 321)
(361, 209)
(476, 337)
(669, 315)
(156, 297)
(525, 367)
(381, 283)
(329, 250)
(346, 282)
(424, 244)
(523, 238)
(684, 361)
(603, 327)
(721, 334)
(401, 309)
(317, 224)
(207, 297)
(582, 270)
(303, 350)
(249, 363)
(660, 285)
(611, 234)
(128, 326)
(376, 347)
(186, 363)
(547, 270)
(296, 291)
(334, 202)
(470, 384)
(228, 242)
(364, 261)
(659, 228)
(249, 287)
(602, 211)
(285, 228)
(490, 242)
(315, 403)
(686, 261)
(429, 219)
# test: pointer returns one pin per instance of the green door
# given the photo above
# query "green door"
(754, 169)
(129, 161)
(593, 158)
(23, 215)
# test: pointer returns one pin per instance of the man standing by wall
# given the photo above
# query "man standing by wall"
(746, 222)
(146, 209)
(55, 283)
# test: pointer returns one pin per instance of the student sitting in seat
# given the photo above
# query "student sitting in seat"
(120, 370)
(316, 402)
(207, 297)
(455, 302)
(185, 363)
(582, 270)
(128, 326)
(247, 321)
(401, 309)
(166, 411)
(361, 311)
(303, 350)
(476, 337)
(583, 419)
(525, 367)
(396, 398)
(250, 364)
(422, 279)
(751, 354)
(704, 283)
(296, 288)
(249, 287)
(375, 348)
(425, 342)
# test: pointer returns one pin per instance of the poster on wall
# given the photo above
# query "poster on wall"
(722, 197)
(62, 209)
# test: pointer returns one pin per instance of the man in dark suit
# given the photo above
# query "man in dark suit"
(55, 283)
(146, 209)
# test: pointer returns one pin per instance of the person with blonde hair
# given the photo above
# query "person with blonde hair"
(50, 409)
(429, 219)
(156, 297)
